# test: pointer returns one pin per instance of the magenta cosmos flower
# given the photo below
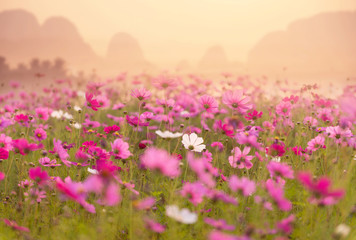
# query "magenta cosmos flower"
(158, 159)
(120, 149)
(320, 189)
(91, 102)
(3, 154)
(208, 103)
(38, 175)
(237, 101)
(240, 159)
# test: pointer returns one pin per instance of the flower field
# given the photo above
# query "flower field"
(177, 157)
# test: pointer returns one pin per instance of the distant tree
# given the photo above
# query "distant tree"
(35, 65)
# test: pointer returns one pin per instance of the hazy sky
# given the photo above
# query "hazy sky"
(172, 30)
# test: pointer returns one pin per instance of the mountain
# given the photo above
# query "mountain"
(124, 52)
(215, 60)
(23, 38)
(320, 45)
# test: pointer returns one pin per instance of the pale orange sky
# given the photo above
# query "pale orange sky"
(172, 30)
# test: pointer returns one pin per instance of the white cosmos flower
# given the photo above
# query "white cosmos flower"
(77, 125)
(342, 230)
(193, 143)
(57, 114)
(67, 116)
(168, 134)
(81, 94)
(77, 108)
(276, 159)
(93, 171)
(183, 215)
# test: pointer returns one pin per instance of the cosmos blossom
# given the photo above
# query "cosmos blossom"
(161, 160)
(244, 185)
(208, 103)
(141, 94)
(193, 143)
(320, 189)
(241, 159)
(120, 149)
(236, 100)
(92, 102)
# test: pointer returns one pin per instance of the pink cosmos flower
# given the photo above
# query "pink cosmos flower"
(159, 159)
(154, 226)
(208, 103)
(284, 109)
(276, 192)
(219, 224)
(91, 102)
(5, 142)
(292, 99)
(74, 191)
(310, 121)
(42, 113)
(141, 94)
(120, 149)
(325, 114)
(35, 195)
(203, 169)
(103, 101)
(47, 162)
(165, 82)
(277, 170)
(217, 235)
(320, 189)
(62, 153)
(91, 124)
(241, 159)
(338, 134)
(237, 101)
(15, 226)
(2, 176)
(144, 204)
(246, 186)
(39, 176)
(219, 145)
(136, 121)
(316, 143)
(40, 134)
(285, 224)
(194, 191)
(105, 185)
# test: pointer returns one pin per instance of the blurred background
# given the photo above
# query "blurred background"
(304, 40)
